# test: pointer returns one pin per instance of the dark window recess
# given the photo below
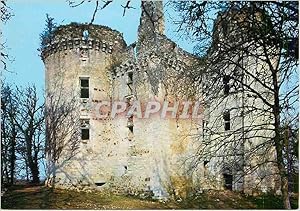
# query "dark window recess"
(84, 88)
(227, 125)
(226, 79)
(225, 28)
(130, 77)
(85, 134)
(84, 93)
(228, 178)
(84, 83)
(130, 127)
(226, 117)
(99, 183)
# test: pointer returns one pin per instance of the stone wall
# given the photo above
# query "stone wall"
(97, 160)
(148, 157)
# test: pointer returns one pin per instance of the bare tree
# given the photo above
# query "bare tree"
(99, 5)
(249, 77)
(22, 129)
(291, 154)
(9, 135)
(6, 14)
(30, 121)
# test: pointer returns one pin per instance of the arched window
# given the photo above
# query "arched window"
(85, 34)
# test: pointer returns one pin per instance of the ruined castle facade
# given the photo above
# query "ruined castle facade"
(130, 155)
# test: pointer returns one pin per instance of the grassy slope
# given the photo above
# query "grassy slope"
(39, 197)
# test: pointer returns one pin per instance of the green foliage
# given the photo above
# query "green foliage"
(46, 37)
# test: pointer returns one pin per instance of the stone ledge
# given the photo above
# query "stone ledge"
(78, 43)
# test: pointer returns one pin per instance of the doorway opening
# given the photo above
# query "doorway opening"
(228, 179)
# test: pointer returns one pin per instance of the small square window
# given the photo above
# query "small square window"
(84, 93)
(84, 88)
(85, 134)
(84, 82)
(85, 129)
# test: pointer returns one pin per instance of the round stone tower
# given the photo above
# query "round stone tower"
(78, 60)
(81, 50)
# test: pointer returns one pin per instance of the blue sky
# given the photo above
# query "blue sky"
(21, 32)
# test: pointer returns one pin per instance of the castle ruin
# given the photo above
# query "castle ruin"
(148, 157)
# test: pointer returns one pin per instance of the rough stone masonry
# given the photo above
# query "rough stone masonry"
(146, 157)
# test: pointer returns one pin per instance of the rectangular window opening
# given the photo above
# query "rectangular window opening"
(226, 80)
(84, 88)
(130, 77)
(85, 129)
(130, 127)
(85, 134)
(226, 117)
(227, 125)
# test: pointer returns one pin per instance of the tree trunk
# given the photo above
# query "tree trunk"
(283, 177)
(279, 144)
(4, 178)
(27, 172)
(34, 169)
(33, 166)
(13, 157)
(279, 141)
(285, 192)
(34, 172)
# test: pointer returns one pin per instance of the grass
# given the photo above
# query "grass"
(39, 197)
(272, 202)
(233, 200)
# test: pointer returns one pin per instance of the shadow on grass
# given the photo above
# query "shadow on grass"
(40, 197)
